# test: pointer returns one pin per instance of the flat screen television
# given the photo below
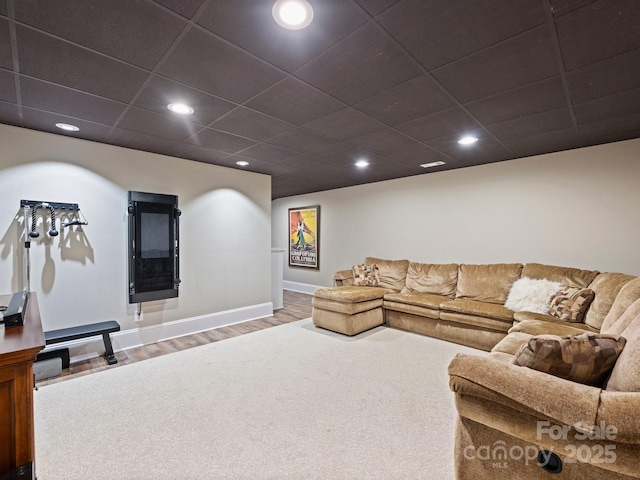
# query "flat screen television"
(154, 255)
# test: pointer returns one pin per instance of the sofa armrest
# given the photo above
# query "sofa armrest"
(343, 278)
(528, 390)
(619, 410)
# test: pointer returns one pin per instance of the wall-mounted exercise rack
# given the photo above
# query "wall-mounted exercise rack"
(57, 205)
(76, 219)
(34, 205)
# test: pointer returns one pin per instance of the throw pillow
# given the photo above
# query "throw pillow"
(571, 304)
(585, 358)
(366, 275)
(532, 295)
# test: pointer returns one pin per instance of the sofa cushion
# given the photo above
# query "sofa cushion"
(393, 273)
(437, 279)
(511, 343)
(585, 358)
(487, 283)
(573, 277)
(537, 327)
(531, 295)
(606, 287)
(480, 309)
(571, 303)
(625, 376)
(350, 294)
(428, 300)
(627, 295)
(366, 275)
(620, 327)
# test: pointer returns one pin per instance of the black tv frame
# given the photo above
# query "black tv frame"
(144, 286)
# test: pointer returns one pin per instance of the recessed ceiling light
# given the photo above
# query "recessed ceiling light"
(67, 127)
(242, 163)
(468, 140)
(432, 164)
(362, 163)
(292, 14)
(180, 108)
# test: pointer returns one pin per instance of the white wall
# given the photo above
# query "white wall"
(579, 208)
(81, 276)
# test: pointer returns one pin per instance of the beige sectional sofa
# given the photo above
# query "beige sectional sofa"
(460, 303)
(513, 422)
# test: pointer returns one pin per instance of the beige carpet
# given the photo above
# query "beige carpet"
(289, 402)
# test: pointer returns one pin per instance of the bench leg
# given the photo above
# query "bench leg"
(108, 354)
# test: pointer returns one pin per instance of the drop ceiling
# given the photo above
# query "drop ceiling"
(395, 82)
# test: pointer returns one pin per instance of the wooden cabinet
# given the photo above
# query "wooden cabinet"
(19, 347)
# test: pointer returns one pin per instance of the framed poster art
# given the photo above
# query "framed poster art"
(304, 237)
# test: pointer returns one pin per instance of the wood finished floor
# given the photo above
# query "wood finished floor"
(296, 307)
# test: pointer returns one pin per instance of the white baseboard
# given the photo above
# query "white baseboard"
(84, 349)
(300, 287)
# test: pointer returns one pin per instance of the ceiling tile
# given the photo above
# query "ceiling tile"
(339, 155)
(344, 124)
(61, 62)
(212, 65)
(249, 123)
(544, 143)
(562, 7)
(66, 101)
(532, 125)
(415, 98)
(601, 109)
(601, 79)
(489, 68)
(413, 154)
(223, 142)
(380, 141)
(140, 141)
(152, 123)
(258, 166)
(267, 153)
(521, 60)
(360, 66)
(46, 121)
(113, 28)
(610, 130)
(186, 8)
(7, 86)
(295, 102)
(440, 31)
(9, 113)
(5, 46)
(533, 98)
(449, 143)
(616, 20)
(251, 26)
(484, 151)
(201, 154)
(301, 140)
(382, 170)
(454, 121)
(374, 7)
(160, 92)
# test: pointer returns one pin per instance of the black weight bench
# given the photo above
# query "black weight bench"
(84, 331)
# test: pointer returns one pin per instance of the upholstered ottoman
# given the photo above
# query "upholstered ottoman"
(348, 310)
